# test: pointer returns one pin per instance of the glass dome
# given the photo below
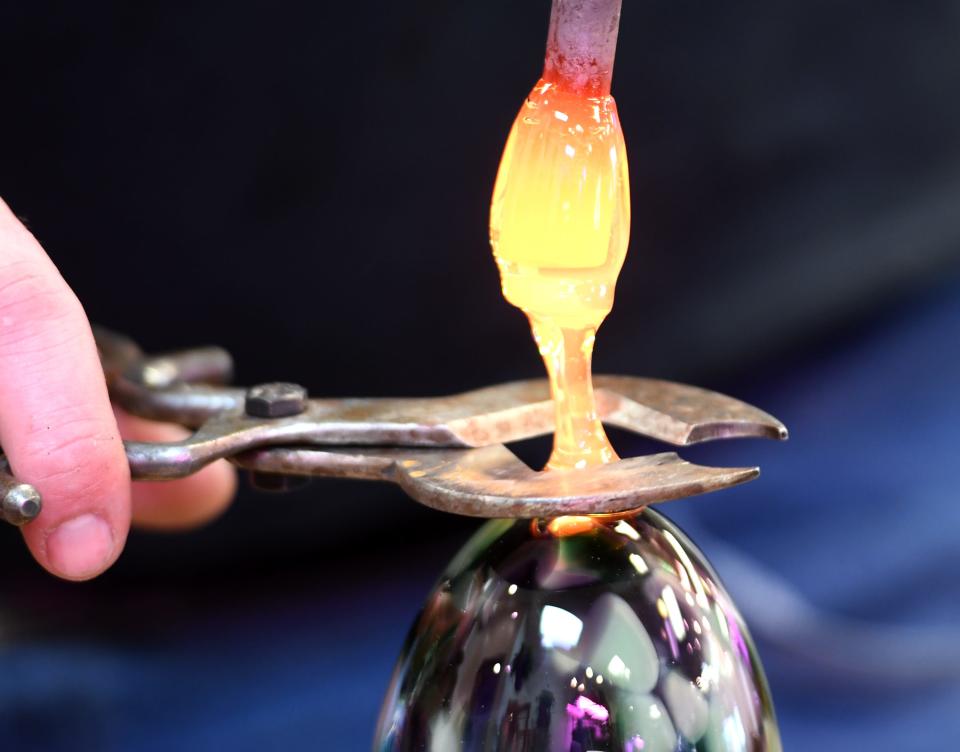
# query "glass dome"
(578, 634)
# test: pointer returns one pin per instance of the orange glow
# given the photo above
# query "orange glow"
(571, 525)
(559, 227)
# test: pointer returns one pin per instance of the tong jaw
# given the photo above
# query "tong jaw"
(488, 480)
(492, 482)
(445, 452)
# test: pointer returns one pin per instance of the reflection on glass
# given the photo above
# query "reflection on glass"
(617, 637)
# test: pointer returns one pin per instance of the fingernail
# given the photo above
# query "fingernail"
(81, 547)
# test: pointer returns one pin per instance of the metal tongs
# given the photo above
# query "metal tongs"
(445, 452)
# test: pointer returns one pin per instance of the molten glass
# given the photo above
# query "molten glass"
(560, 216)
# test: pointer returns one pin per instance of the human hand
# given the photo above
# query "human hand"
(61, 434)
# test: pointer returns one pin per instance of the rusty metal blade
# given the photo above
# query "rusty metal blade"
(492, 482)
(166, 387)
(674, 413)
(680, 414)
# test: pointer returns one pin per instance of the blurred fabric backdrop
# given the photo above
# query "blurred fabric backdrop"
(307, 184)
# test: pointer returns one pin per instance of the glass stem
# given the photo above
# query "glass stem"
(579, 439)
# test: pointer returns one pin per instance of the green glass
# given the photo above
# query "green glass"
(578, 635)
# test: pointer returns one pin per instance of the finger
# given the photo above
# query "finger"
(178, 504)
(56, 424)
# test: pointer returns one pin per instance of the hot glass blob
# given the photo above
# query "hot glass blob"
(578, 635)
(560, 216)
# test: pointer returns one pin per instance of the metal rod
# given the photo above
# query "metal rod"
(582, 44)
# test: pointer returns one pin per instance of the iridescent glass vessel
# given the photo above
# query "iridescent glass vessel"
(578, 634)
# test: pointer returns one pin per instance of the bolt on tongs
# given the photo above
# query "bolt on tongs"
(445, 452)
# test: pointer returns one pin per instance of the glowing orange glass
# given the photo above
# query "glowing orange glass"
(560, 216)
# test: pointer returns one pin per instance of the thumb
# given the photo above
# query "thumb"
(56, 424)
